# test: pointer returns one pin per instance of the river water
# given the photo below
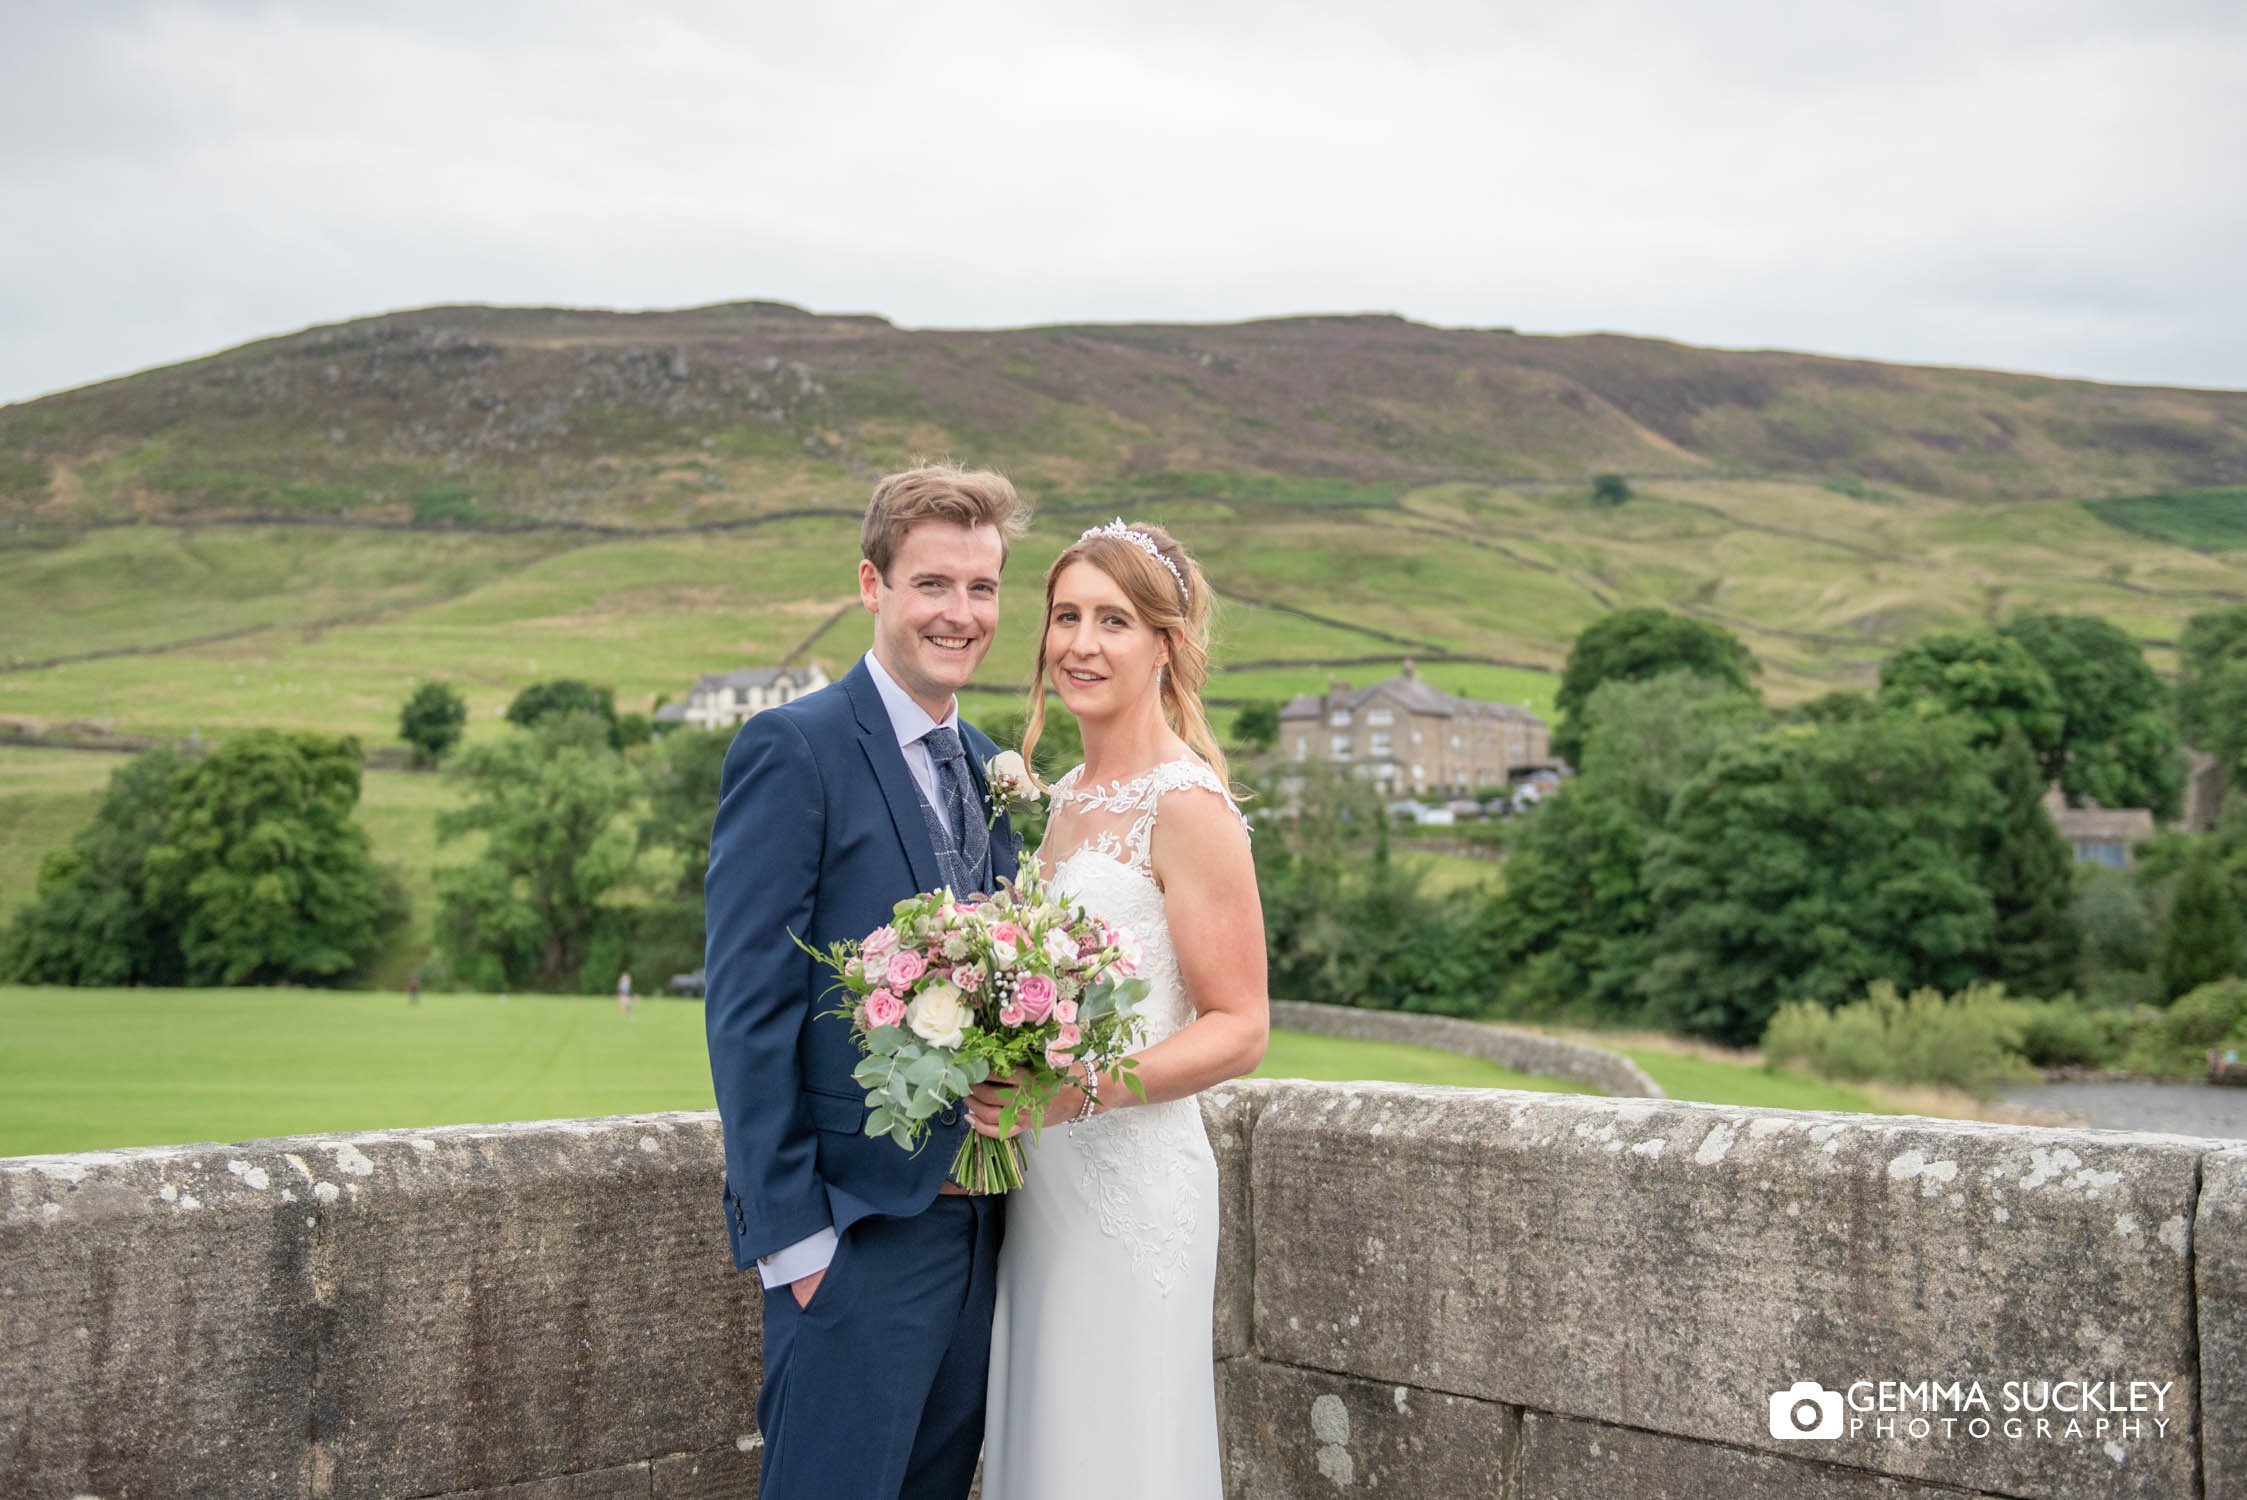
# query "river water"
(2180, 1108)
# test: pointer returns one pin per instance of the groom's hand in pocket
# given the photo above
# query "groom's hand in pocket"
(805, 1286)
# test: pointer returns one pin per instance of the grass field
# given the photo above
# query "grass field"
(336, 626)
(95, 1069)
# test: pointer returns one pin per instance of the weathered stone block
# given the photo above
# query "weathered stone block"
(417, 1312)
(2219, 1246)
(585, 1315)
(1666, 1266)
(1291, 1433)
(151, 1324)
(728, 1473)
(624, 1482)
(1564, 1459)
(1229, 1114)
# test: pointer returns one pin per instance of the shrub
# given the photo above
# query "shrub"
(1972, 1040)
(2066, 1033)
(2176, 1041)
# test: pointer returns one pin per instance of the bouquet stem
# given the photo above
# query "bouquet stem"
(987, 1166)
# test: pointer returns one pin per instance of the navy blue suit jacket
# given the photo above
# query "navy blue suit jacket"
(819, 832)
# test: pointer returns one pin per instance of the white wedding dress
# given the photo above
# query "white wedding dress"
(1101, 1384)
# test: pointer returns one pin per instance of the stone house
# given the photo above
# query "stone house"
(2099, 835)
(723, 700)
(1414, 739)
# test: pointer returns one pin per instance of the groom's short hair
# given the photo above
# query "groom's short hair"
(939, 492)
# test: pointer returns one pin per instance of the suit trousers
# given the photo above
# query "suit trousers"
(875, 1391)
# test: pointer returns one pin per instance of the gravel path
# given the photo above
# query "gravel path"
(2180, 1108)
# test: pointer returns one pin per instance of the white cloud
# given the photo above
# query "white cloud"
(2039, 187)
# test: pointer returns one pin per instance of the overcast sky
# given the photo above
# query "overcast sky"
(2051, 187)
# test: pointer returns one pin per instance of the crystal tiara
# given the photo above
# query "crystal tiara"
(1144, 543)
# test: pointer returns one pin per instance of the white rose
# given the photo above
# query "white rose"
(1007, 773)
(938, 1016)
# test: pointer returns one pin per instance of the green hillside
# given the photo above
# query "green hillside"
(298, 531)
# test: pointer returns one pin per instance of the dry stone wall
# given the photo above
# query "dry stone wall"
(1518, 1047)
(1422, 1292)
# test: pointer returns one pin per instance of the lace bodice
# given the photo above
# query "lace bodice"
(1111, 874)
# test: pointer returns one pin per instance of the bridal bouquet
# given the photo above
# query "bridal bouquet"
(949, 993)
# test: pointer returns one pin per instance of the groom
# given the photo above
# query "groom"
(878, 1274)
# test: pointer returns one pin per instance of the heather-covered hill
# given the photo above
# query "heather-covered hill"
(720, 413)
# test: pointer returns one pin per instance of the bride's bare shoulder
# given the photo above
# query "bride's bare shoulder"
(1199, 817)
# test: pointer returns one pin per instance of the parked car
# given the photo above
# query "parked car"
(686, 986)
(1464, 807)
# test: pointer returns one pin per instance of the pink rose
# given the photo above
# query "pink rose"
(879, 944)
(1065, 1011)
(1006, 932)
(1058, 1057)
(1035, 994)
(884, 1008)
(1011, 1014)
(968, 978)
(1068, 1036)
(853, 969)
(905, 966)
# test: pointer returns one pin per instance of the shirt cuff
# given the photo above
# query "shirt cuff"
(798, 1260)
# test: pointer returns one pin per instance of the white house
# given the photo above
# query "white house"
(722, 700)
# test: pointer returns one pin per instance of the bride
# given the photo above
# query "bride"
(1101, 1381)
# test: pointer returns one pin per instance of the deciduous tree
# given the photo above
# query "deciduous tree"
(431, 722)
(1637, 644)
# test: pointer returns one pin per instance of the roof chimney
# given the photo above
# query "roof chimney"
(1409, 672)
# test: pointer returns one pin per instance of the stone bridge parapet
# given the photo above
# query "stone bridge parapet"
(1423, 1292)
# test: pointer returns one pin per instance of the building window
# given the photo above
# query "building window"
(1302, 747)
(1455, 742)
(1341, 747)
(1339, 719)
(1379, 716)
(1380, 745)
(2112, 855)
(740, 697)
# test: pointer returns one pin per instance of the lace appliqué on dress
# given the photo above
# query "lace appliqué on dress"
(1142, 795)
(1150, 1141)
(1127, 1150)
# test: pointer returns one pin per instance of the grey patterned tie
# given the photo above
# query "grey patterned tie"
(955, 789)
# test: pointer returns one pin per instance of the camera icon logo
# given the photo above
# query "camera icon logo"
(1806, 1409)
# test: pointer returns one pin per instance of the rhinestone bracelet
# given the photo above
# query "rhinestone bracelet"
(1091, 1091)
